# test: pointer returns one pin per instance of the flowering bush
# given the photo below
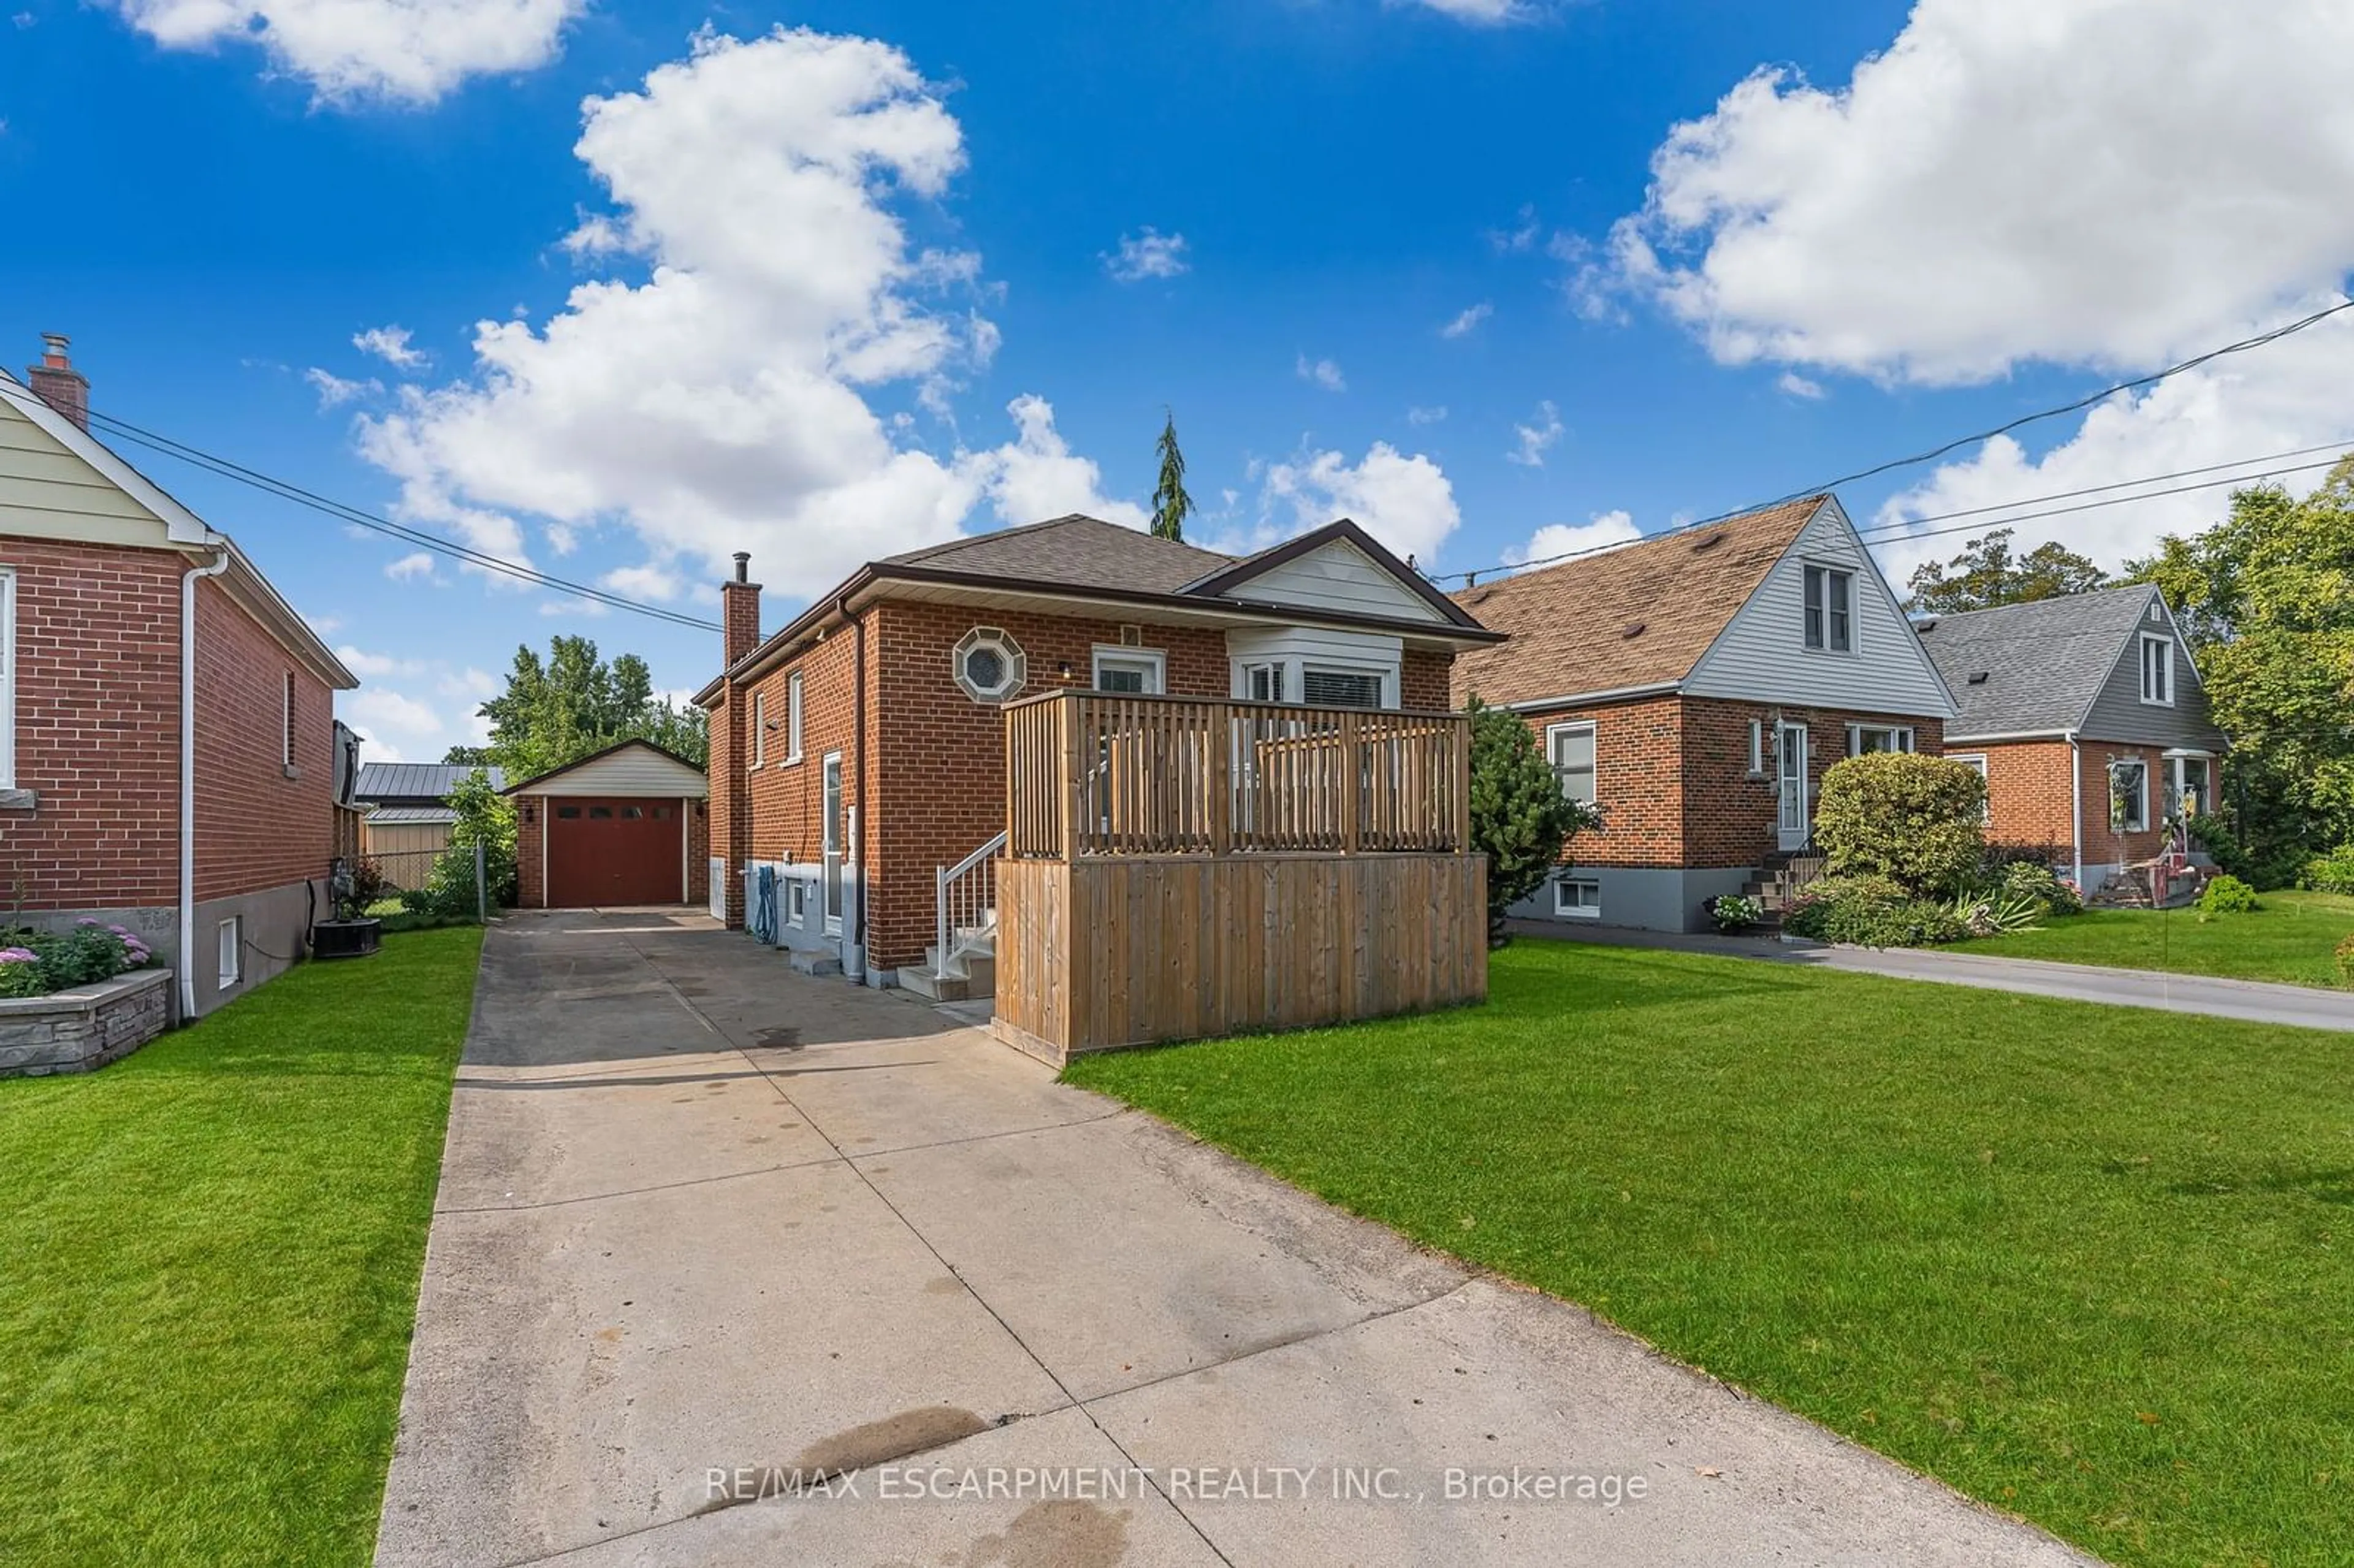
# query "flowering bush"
(20, 973)
(38, 962)
(1735, 911)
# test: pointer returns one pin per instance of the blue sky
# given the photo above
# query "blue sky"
(1449, 266)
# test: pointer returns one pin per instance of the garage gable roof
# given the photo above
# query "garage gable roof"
(626, 767)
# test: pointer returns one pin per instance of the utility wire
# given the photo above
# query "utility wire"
(2340, 448)
(2242, 346)
(1894, 533)
(286, 490)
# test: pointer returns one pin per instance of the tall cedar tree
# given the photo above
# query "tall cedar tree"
(1171, 504)
(1520, 818)
(1986, 573)
(561, 710)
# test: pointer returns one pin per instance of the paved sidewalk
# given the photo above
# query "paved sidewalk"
(697, 1212)
(2305, 1007)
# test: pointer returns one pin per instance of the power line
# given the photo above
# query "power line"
(2242, 345)
(286, 490)
(2339, 447)
(1893, 533)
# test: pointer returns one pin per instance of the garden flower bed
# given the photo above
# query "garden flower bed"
(74, 1000)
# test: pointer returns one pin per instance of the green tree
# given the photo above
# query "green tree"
(2266, 599)
(1986, 574)
(574, 703)
(1520, 818)
(1171, 504)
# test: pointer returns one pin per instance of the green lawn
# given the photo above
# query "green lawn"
(209, 1264)
(2291, 939)
(2092, 1264)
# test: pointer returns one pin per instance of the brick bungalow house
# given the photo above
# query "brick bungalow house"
(2088, 719)
(1696, 688)
(168, 748)
(859, 749)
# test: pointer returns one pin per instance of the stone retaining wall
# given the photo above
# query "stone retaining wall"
(88, 1026)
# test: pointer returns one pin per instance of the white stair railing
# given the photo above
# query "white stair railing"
(965, 904)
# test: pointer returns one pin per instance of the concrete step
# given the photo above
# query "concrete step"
(814, 963)
(920, 979)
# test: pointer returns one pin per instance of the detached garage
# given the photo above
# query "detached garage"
(624, 826)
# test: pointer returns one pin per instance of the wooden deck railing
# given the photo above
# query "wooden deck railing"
(1090, 775)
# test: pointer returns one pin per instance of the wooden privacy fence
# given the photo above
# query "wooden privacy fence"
(1090, 775)
(1178, 868)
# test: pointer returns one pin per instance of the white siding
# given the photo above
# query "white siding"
(634, 770)
(1339, 576)
(1761, 655)
(48, 493)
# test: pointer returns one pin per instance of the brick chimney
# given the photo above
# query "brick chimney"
(58, 383)
(739, 613)
(731, 742)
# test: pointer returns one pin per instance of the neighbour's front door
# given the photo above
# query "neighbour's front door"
(1797, 823)
(831, 805)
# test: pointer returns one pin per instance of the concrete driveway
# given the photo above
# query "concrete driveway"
(732, 1266)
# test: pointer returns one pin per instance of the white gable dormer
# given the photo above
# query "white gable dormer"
(1335, 576)
(1773, 650)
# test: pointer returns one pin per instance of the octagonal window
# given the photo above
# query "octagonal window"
(989, 665)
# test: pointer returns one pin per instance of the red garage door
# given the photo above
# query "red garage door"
(613, 851)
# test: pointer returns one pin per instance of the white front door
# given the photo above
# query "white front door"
(1797, 823)
(831, 805)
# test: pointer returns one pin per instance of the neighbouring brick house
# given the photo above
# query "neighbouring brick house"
(2088, 719)
(1696, 688)
(860, 748)
(168, 748)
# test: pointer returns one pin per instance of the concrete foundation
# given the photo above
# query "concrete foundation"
(1643, 898)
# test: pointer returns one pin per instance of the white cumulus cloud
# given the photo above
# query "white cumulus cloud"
(1480, 12)
(2072, 183)
(391, 345)
(408, 51)
(1555, 540)
(1405, 501)
(716, 396)
(335, 391)
(409, 568)
(1798, 386)
(1149, 254)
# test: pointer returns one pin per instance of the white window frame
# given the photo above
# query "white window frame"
(1016, 665)
(8, 679)
(1977, 760)
(229, 948)
(1247, 670)
(792, 718)
(1552, 736)
(1150, 663)
(759, 730)
(2177, 761)
(1757, 748)
(2165, 666)
(1385, 678)
(1902, 733)
(2141, 806)
(1587, 907)
(1815, 635)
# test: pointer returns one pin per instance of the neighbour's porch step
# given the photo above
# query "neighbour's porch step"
(811, 963)
(2132, 888)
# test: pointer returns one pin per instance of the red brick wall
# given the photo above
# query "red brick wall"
(1672, 777)
(938, 769)
(257, 828)
(2102, 845)
(98, 735)
(2027, 794)
(1423, 680)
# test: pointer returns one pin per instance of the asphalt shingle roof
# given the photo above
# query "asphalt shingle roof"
(1640, 615)
(1075, 552)
(413, 780)
(2022, 669)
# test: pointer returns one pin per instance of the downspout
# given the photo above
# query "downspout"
(2076, 809)
(189, 779)
(857, 835)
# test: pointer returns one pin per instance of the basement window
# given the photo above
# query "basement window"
(1577, 899)
(231, 943)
